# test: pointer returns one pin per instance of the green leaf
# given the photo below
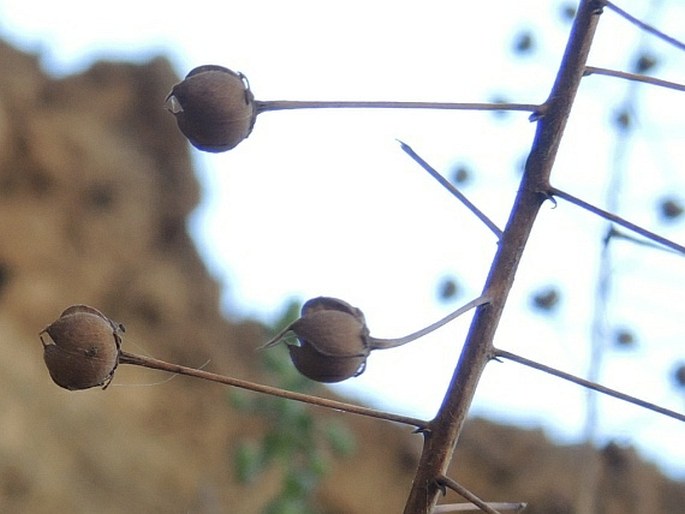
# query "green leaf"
(340, 438)
(240, 400)
(282, 505)
(248, 461)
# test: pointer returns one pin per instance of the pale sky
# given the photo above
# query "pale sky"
(326, 203)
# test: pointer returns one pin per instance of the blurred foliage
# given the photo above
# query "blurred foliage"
(679, 375)
(524, 43)
(670, 209)
(294, 441)
(644, 63)
(623, 119)
(448, 289)
(625, 338)
(568, 11)
(546, 299)
(461, 174)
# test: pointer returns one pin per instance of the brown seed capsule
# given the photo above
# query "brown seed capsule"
(321, 303)
(81, 348)
(323, 368)
(333, 340)
(214, 108)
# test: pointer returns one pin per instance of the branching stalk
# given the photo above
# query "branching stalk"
(617, 219)
(452, 189)
(382, 344)
(589, 384)
(644, 26)
(444, 430)
(280, 105)
(446, 508)
(149, 362)
(593, 70)
(447, 482)
(617, 234)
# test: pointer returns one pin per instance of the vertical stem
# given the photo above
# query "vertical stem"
(441, 437)
(586, 498)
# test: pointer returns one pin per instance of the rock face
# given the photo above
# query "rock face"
(95, 188)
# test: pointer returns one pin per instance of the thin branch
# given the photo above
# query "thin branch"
(465, 493)
(149, 362)
(617, 234)
(644, 26)
(617, 219)
(279, 105)
(446, 508)
(451, 188)
(593, 70)
(382, 344)
(590, 385)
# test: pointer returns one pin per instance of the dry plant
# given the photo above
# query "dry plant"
(330, 341)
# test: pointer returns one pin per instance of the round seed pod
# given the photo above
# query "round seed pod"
(333, 340)
(214, 108)
(81, 348)
(324, 368)
(321, 303)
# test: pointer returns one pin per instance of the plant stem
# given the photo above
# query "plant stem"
(446, 508)
(149, 362)
(465, 493)
(592, 70)
(617, 219)
(617, 234)
(382, 344)
(280, 105)
(445, 428)
(589, 384)
(644, 26)
(452, 189)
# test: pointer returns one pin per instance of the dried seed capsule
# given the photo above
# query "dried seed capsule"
(333, 340)
(328, 303)
(324, 368)
(214, 108)
(81, 348)
(332, 333)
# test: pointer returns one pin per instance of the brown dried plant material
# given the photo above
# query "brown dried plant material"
(333, 340)
(214, 107)
(81, 348)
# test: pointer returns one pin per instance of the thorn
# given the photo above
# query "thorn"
(598, 7)
(536, 116)
(441, 485)
(539, 113)
(549, 196)
(425, 430)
